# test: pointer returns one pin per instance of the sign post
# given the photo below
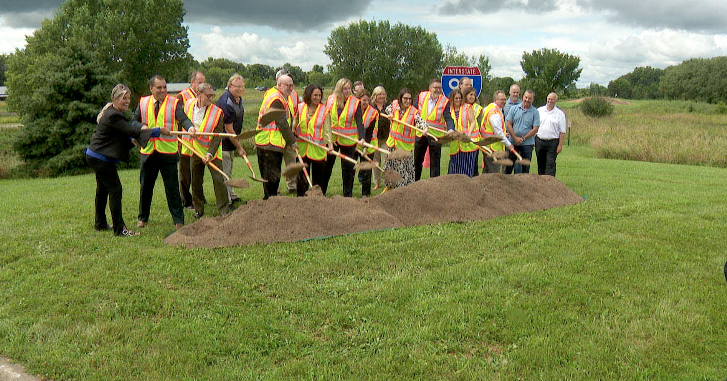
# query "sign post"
(453, 74)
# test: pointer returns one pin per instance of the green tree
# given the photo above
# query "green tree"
(548, 70)
(3, 68)
(381, 54)
(699, 79)
(298, 75)
(68, 67)
(621, 88)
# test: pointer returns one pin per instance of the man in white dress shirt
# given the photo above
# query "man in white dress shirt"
(550, 136)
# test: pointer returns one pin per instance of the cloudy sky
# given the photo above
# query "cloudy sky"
(610, 36)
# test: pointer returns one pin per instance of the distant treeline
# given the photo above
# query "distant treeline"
(697, 79)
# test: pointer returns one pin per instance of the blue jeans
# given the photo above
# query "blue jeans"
(526, 152)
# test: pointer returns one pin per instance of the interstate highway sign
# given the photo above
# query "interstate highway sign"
(452, 75)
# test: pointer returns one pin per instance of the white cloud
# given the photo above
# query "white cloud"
(13, 38)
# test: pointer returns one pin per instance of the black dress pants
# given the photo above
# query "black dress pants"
(420, 151)
(348, 170)
(320, 175)
(108, 187)
(185, 179)
(546, 151)
(269, 163)
(166, 165)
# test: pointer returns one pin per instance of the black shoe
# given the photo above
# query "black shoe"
(103, 228)
(197, 215)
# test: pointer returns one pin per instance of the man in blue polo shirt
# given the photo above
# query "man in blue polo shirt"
(523, 121)
(231, 104)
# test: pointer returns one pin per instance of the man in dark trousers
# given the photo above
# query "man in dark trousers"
(161, 154)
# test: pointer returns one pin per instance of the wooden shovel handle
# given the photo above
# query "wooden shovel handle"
(332, 152)
(408, 125)
(305, 171)
(367, 158)
(365, 144)
(199, 155)
(225, 134)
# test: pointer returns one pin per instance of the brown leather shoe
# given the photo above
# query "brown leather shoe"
(141, 224)
(178, 226)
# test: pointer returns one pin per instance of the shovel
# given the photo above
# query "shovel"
(409, 125)
(487, 141)
(224, 134)
(271, 115)
(252, 171)
(520, 159)
(305, 171)
(237, 183)
(248, 134)
(399, 154)
(389, 175)
(365, 144)
(330, 151)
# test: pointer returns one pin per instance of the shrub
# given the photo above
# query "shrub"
(721, 108)
(596, 107)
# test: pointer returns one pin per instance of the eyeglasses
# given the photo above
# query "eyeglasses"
(210, 96)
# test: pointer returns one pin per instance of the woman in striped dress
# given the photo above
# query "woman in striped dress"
(402, 137)
(470, 97)
(462, 156)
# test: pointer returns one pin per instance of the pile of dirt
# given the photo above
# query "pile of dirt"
(451, 198)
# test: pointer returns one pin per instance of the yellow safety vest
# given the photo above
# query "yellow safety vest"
(313, 130)
(371, 116)
(434, 118)
(478, 111)
(463, 125)
(164, 143)
(401, 136)
(272, 134)
(211, 118)
(486, 129)
(292, 103)
(186, 95)
(345, 123)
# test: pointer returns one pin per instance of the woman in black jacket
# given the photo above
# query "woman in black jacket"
(110, 144)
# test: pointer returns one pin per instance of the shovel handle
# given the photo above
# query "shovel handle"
(332, 152)
(413, 127)
(199, 155)
(247, 161)
(367, 158)
(365, 144)
(305, 171)
(225, 134)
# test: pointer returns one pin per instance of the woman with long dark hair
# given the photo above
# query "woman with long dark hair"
(311, 122)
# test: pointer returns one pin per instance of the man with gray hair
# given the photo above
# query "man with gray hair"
(288, 154)
(550, 136)
(231, 103)
(185, 169)
(523, 121)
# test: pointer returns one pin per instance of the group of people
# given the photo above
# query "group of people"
(351, 123)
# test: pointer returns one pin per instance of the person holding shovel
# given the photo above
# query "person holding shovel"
(378, 102)
(110, 144)
(462, 156)
(207, 117)
(371, 126)
(433, 106)
(275, 137)
(311, 122)
(231, 104)
(402, 137)
(346, 118)
(493, 124)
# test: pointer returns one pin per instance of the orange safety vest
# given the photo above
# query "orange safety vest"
(211, 118)
(165, 144)
(187, 94)
(345, 123)
(486, 128)
(313, 130)
(436, 117)
(292, 103)
(371, 116)
(462, 124)
(272, 135)
(401, 136)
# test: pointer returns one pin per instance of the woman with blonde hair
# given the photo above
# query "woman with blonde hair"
(378, 102)
(110, 144)
(346, 118)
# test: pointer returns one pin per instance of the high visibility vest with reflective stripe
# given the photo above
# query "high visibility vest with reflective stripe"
(164, 143)
(401, 136)
(311, 129)
(434, 118)
(272, 134)
(478, 111)
(187, 94)
(345, 123)
(211, 118)
(486, 128)
(292, 103)
(463, 125)
(371, 116)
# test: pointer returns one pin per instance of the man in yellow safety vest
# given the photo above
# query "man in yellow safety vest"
(160, 155)
(185, 172)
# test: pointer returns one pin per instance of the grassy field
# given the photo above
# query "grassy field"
(627, 285)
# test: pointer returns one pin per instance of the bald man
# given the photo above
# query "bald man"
(550, 135)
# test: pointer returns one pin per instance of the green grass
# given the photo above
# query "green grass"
(627, 285)
(7, 117)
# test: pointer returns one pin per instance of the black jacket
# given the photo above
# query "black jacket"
(113, 133)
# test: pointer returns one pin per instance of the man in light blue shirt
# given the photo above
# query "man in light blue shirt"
(513, 100)
(523, 121)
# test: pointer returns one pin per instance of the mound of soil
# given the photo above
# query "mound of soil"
(451, 198)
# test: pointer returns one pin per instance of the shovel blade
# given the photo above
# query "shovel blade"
(503, 163)
(270, 116)
(500, 155)
(248, 134)
(258, 180)
(399, 154)
(391, 176)
(293, 169)
(523, 162)
(237, 183)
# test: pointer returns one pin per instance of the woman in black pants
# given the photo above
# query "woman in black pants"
(110, 144)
